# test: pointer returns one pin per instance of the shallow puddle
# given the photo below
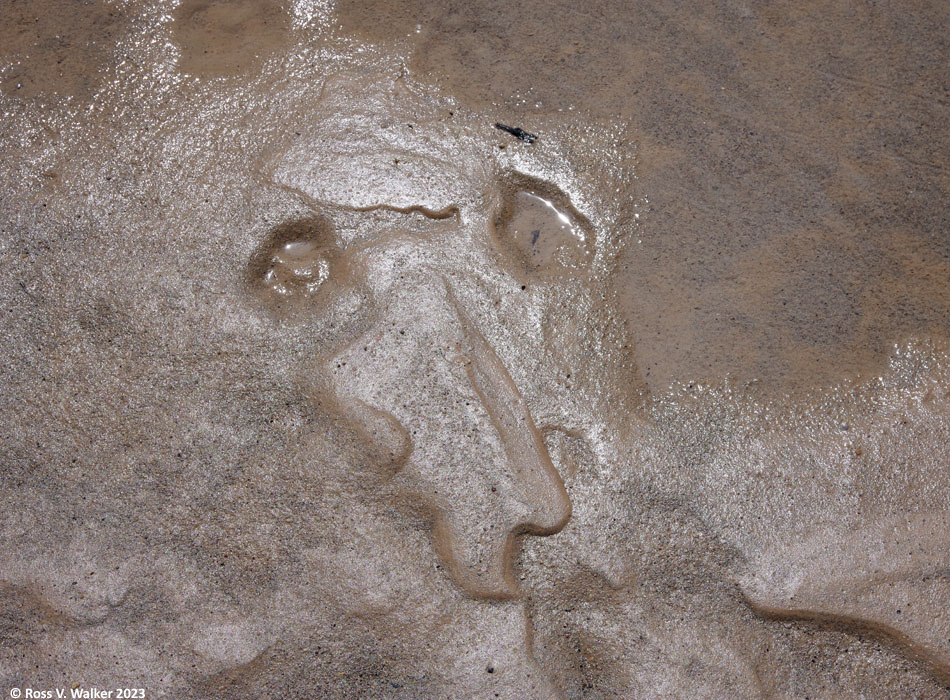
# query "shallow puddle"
(544, 237)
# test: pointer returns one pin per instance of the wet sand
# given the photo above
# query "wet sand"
(316, 383)
(794, 158)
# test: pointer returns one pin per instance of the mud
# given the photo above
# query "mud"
(540, 228)
(806, 141)
(62, 48)
(229, 37)
(317, 384)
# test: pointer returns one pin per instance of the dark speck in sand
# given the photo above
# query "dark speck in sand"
(517, 132)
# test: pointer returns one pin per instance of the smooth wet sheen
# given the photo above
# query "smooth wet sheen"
(544, 237)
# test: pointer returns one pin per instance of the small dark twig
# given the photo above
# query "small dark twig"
(517, 132)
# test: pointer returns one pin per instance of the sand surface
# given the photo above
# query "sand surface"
(316, 384)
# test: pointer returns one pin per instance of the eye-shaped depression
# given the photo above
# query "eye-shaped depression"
(298, 265)
(540, 229)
